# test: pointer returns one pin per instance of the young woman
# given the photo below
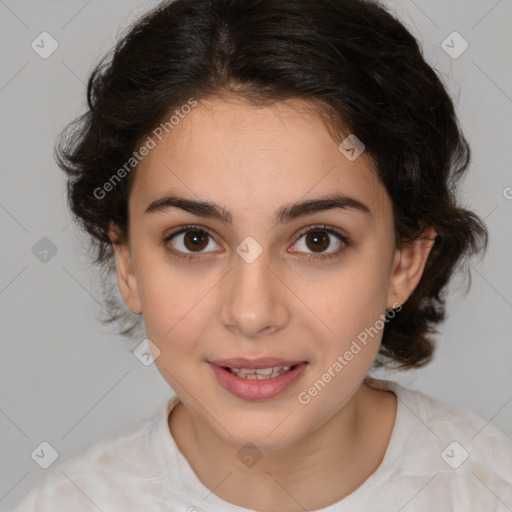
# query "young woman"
(274, 183)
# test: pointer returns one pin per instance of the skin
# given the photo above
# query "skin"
(252, 161)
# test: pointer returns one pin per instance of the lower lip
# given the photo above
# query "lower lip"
(256, 389)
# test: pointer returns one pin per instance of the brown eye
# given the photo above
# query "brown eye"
(317, 240)
(195, 240)
(190, 240)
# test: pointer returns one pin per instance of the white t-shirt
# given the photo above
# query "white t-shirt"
(439, 458)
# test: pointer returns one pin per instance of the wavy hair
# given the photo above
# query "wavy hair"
(354, 61)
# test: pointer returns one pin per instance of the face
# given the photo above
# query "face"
(248, 280)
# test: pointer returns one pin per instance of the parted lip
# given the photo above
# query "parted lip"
(255, 364)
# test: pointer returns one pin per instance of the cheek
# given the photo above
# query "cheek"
(174, 326)
(175, 311)
(163, 301)
(172, 315)
(352, 299)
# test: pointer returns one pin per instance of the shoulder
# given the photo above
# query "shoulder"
(460, 454)
(101, 475)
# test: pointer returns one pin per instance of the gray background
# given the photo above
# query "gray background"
(69, 381)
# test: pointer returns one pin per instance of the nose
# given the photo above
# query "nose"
(255, 302)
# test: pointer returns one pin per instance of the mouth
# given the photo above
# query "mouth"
(260, 373)
(257, 379)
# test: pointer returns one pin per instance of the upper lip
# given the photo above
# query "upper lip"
(254, 364)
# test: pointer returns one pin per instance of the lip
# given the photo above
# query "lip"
(255, 364)
(255, 389)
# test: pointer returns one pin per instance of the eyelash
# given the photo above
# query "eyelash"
(192, 227)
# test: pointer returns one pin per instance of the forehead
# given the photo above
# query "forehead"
(245, 156)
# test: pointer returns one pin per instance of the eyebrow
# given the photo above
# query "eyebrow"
(285, 214)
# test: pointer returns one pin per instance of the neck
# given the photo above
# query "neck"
(320, 469)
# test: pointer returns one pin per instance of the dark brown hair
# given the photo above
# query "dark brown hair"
(351, 59)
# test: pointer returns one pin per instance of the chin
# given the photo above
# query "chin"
(265, 434)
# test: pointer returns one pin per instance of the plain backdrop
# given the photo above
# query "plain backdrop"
(69, 381)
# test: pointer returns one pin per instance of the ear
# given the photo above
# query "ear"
(408, 267)
(126, 280)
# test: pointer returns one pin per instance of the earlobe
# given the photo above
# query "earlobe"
(408, 267)
(126, 279)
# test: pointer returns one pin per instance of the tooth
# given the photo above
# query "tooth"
(264, 371)
(260, 373)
